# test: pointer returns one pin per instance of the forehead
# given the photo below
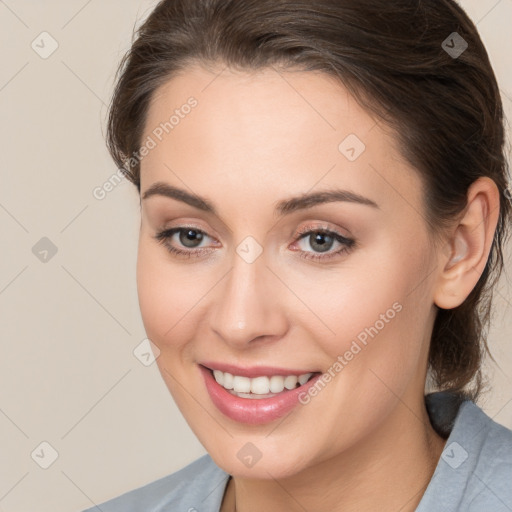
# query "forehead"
(239, 109)
(265, 131)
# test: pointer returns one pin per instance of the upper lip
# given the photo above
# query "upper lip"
(254, 371)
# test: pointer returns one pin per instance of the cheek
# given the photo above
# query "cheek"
(167, 296)
(377, 312)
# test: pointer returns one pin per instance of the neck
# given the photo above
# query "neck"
(388, 472)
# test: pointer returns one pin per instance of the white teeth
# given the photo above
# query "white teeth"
(290, 382)
(228, 380)
(241, 384)
(260, 385)
(276, 384)
(252, 396)
(219, 377)
(304, 378)
(263, 385)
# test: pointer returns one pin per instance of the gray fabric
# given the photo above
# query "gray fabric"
(474, 473)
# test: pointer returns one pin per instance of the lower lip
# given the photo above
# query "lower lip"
(253, 411)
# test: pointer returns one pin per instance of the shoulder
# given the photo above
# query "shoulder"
(198, 486)
(487, 443)
(474, 472)
(489, 454)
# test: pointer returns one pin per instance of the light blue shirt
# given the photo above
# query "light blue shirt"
(473, 474)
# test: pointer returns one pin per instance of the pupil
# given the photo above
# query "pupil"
(324, 241)
(190, 238)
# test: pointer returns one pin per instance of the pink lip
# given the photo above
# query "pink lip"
(254, 411)
(254, 371)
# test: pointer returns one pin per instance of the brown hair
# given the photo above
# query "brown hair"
(444, 109)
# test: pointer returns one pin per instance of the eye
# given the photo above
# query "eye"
(183, 236)
(190, 238)
(186, 241)
(322, 240)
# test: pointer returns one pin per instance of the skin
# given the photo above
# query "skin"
(365, 441)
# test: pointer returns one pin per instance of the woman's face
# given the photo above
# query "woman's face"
(271, 284)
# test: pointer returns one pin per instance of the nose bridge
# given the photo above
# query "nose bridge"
(246, 306)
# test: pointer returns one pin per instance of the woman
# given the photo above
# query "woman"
(323, 211)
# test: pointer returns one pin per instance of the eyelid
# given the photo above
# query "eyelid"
(322, 226)
(186, 225)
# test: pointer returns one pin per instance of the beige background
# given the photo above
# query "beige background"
(69, 326)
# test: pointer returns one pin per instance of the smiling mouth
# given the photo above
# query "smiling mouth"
(261, 386)
(260, 395)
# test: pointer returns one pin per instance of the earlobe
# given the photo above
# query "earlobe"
(468, 246)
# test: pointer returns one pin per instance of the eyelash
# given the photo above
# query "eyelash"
(347, 243)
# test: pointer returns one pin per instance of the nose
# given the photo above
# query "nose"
(248, 305)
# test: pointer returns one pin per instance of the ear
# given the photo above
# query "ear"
(464, 257)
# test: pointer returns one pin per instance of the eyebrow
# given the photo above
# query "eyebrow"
(282, 207)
